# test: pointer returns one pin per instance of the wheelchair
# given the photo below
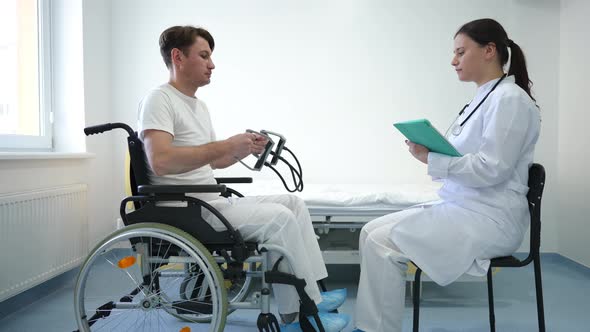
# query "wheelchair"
(169, 269)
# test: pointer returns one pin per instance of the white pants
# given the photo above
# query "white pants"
(381, 294)
(281, 220)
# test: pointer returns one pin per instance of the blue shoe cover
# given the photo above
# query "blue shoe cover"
(331, 322)
(332, 300)
(357, 330)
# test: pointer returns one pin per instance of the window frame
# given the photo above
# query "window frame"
(44, 141)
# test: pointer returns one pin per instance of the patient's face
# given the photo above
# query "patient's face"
(468, 59)
(197, 66)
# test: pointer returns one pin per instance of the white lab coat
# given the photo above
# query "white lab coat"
(483, 212)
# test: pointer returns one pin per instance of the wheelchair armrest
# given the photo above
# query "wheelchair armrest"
(174, 189)
(233, 180)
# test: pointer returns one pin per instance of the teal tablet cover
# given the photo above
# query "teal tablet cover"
(422, 132)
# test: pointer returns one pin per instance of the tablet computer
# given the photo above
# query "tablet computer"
(422, 132)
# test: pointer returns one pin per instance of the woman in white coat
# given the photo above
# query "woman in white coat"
(483, 209)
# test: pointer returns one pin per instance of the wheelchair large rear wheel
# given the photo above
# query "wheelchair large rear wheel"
(237, 289)
(132, 281)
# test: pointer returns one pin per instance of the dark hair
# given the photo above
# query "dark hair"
(487, 30)
(182, 38)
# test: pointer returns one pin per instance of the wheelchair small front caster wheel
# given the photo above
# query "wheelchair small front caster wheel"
(268, 323)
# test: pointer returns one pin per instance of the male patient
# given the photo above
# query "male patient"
(181, 148)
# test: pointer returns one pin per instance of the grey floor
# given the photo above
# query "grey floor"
(461, 306)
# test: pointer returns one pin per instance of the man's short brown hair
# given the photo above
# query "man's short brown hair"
(182, 38)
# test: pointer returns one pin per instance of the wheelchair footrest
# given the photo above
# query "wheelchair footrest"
(307, 306)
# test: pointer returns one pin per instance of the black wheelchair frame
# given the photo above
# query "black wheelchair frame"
(229, 244)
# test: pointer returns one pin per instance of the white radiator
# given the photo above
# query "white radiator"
(42, 234)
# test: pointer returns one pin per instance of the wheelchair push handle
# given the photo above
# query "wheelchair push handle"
(108, 127)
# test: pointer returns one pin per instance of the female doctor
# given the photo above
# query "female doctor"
(483, 210)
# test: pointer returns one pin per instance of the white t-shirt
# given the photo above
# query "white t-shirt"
(187, 120)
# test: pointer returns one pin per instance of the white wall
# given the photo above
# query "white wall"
(332, 79)
(574, 180)
(67, 75)
(105, 175)
(334, 76)
(82, 93)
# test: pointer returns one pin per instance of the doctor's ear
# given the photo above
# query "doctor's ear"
(490, 50)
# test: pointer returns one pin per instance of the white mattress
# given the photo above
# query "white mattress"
(351, 199)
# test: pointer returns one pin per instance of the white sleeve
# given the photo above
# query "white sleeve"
(505, 129)
(155, 112)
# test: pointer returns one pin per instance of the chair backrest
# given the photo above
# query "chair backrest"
(536, 185)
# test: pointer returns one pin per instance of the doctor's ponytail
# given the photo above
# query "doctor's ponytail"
(487, 30)
(518, 68)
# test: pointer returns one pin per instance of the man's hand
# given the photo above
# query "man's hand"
(259, 144)
(244, 144)
(419, 152)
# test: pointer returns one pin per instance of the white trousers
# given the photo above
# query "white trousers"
(282, 220)
(381, 294)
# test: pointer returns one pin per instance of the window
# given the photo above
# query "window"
(25, 95)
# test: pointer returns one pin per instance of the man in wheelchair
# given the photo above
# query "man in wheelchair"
(181, 149)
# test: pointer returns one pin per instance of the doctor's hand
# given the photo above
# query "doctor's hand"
(419, 152)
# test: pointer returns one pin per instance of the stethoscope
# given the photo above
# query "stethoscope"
(458, 127)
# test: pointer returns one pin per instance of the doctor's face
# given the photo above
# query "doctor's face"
(468, 59)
